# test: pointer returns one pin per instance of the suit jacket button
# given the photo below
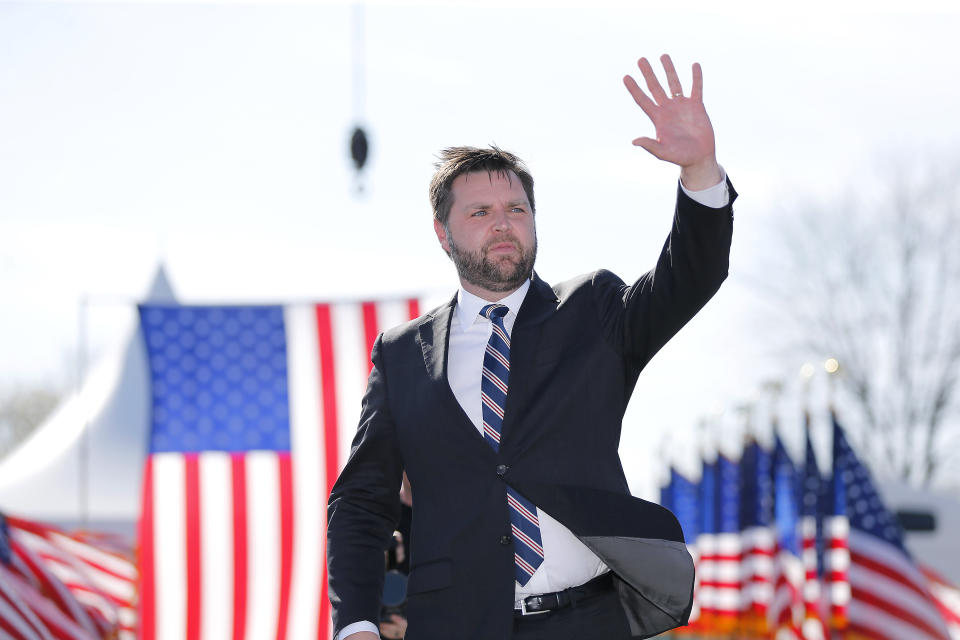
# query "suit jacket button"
(505, 540)
(502, 469)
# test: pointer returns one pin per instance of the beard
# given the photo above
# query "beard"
(501, 273)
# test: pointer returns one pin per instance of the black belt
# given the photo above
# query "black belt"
(546, 602)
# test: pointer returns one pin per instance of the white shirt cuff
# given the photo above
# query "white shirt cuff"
(714, 197)
(357, 627)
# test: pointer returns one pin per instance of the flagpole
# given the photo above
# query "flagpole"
(739, 628)
(359, 143)
(832, 367)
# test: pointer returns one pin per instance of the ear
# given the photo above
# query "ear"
(441, 235)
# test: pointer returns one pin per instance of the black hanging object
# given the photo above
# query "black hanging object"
(359, 148)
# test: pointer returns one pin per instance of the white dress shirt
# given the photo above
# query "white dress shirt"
(567, 562)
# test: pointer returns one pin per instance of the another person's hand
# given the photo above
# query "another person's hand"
(362, 635)
(399, 551)
(394, 629)
(684, 135)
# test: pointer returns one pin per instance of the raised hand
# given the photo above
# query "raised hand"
(684, 135)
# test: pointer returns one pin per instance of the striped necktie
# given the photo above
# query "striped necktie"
(527, 544)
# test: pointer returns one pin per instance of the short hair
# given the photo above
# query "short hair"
(456, 161)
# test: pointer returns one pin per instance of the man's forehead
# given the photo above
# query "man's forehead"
(475, 183)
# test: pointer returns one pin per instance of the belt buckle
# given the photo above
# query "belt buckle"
(523, 608)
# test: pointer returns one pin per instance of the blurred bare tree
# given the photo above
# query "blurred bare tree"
(874, 281)
(22, 410)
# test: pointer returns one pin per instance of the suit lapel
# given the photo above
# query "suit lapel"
(434, 334)
(435, 342)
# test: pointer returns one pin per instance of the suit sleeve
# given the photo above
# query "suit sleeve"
(364, 508)
(639, 319)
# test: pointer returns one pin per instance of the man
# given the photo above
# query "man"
(504, 407)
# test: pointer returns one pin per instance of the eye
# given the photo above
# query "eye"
(518, 210)
(479, 212)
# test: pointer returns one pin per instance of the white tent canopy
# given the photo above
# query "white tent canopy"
(107, 422)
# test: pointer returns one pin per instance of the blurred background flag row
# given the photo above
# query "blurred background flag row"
(784, 552)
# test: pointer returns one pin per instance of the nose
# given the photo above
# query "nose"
(501, 220)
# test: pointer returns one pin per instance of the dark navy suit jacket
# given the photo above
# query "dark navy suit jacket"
(576, 351)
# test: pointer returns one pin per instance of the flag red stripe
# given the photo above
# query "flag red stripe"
(98, 567)
(716, 557)
(146, 618)
(861, 595)
(239, 481)
(886, 570)
(370, 329)
(716, 584)
(948, 614)
(328, 391)
(194, 574)
(763, 552)
(859, 631)
(413, 308)
(284, 466)
(27, 525)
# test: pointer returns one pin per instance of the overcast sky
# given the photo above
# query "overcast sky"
(213, 138)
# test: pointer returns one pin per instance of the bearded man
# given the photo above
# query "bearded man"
(504, 407)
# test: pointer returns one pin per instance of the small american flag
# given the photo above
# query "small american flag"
(757, 537)
(720, 545)
(254, 408)
(812, 506)
(786, 607)
(889, 597)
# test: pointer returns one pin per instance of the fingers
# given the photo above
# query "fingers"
(697, 92)
(639, 96)
(673, 80)
(652, 83)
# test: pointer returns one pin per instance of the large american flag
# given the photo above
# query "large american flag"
(254, 409)
(889, 597)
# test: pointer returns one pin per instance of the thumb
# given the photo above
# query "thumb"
(651, 145)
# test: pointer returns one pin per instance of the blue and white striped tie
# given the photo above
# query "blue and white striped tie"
(527, 544)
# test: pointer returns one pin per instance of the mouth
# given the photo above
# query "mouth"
(503, 247)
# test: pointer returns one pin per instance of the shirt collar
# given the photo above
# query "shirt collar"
(469, 305)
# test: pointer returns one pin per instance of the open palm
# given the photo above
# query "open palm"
(684, 135)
